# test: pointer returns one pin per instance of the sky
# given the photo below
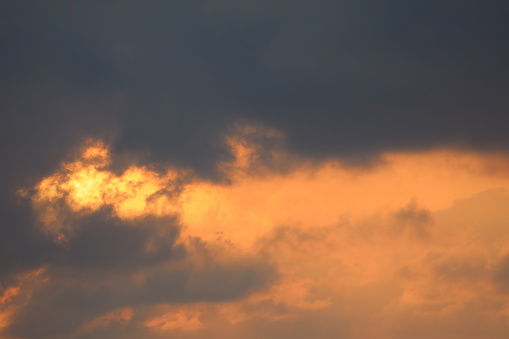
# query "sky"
(254, 169)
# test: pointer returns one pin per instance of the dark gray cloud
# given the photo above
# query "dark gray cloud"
(463, 268)
(501, 274)
(106, 243)
(22, 247)
(413, 221)
(347, 78)
(62, 307)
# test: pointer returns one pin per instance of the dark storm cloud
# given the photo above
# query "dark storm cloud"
(348, 78)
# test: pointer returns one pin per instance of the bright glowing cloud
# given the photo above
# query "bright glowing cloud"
(84, 186)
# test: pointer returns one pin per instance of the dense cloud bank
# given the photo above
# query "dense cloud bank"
(350, 78)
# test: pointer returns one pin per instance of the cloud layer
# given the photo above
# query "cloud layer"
(416, 242)
(247, 169)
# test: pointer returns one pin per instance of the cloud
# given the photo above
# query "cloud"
(348, 79)
(121, 316)
(175, 322)
(248, 169)
(268, 252)
(81, 299)
(85, 185)
(413, 220)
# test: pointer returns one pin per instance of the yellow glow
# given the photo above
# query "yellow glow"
(86, 186)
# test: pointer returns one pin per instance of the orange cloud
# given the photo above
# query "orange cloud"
(415, 236)
(121, 316)
(313, 195)
(180, 321)
(254, 203)
(14, 298)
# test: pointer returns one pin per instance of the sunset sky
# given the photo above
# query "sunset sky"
(254, 169)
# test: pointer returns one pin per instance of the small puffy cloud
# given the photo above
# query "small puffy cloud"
(170, 322)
